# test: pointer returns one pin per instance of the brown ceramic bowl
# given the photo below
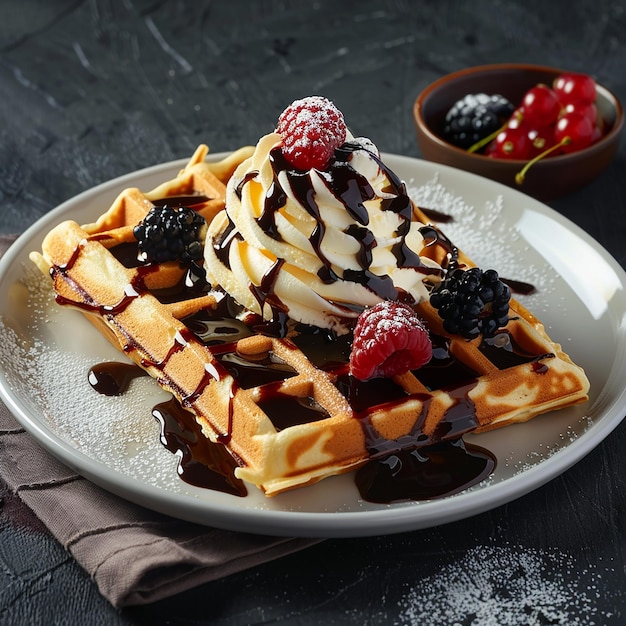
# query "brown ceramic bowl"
(546, 180)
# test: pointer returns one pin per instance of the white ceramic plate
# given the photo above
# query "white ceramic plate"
(46, 352)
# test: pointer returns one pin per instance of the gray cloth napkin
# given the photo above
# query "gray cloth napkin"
(135, 556)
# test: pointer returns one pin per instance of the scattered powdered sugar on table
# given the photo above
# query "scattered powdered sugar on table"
(508, 586)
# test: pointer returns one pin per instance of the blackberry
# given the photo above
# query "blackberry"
(475, 117)
(169, 234)
(471, 302)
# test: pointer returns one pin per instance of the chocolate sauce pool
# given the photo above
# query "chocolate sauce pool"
(202, 462)
(426, 473)
(113, 378)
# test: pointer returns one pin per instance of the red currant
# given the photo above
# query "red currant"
(511, 143)
(588, 110)
(540, 106)
(517, 119)
(541, 139)
(575, 89)
(574, 132)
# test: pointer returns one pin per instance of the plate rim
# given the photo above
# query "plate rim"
(388, 520)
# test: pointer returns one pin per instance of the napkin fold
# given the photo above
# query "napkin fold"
(134, 555)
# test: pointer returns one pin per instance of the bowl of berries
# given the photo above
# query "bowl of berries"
(542, 130)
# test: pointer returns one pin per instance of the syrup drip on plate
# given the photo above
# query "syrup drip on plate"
(113, 378)
(201, 462)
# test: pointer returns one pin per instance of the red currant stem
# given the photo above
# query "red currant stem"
(519, 177)
(485, 140)
(489, 138)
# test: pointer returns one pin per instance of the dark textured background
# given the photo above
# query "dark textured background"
(90, 90)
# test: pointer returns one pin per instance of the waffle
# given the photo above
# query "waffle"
(287, 409)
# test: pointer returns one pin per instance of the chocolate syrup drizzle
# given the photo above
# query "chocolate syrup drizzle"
(201, 462)
(351, 189)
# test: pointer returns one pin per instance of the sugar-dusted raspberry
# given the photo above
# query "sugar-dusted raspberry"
(311, 129)
(389, 339)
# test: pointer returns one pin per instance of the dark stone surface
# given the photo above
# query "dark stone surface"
(93, 90)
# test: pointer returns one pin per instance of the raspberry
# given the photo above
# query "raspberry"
(389, 339)
(171, 233)
(311, 129)
(471, 302)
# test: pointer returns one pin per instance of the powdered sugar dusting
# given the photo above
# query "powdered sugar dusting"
(508, 586)
(52, 378)
(390, 317)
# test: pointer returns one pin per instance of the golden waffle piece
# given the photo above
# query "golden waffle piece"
(287, 409)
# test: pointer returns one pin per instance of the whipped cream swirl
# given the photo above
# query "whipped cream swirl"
(317, 246)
